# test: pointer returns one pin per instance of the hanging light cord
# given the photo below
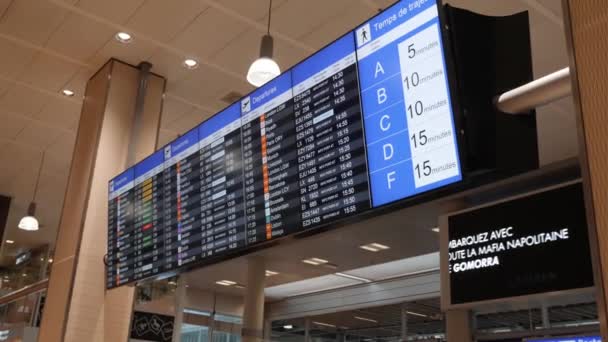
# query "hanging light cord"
(38, 179)
(269, 15)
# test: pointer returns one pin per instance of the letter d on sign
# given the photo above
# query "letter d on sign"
(388, 151)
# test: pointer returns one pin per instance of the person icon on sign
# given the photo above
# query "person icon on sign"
(364, 35)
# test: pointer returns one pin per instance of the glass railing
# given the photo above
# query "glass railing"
(21, 312)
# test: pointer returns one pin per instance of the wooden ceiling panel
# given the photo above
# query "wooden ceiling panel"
(11, 125)
(38, 135)
(117, 11)
(32, 20)
(14, 58)
(48, 72)
(162, 20)
(208, 33)
(134, 52)
(173, 110)
(60, 112)
(296, 18)
(24, 100)
(251, 9)
(337, 26)
(80, 38)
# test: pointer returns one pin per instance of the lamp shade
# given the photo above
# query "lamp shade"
(29, 222)
(262, 70)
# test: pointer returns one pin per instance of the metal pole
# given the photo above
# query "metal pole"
(544, 90)
(144, 73)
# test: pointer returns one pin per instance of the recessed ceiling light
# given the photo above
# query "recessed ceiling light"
(270, 273)
(288, 326)
(436, 229)
(226, 282)
(10, 242)
(6, 280)
(50, 260)
(190, 63)
(374, 247)
(67, 92)
(365, 319)
(24, 274)
(123, 37)
(315, 261)
(172, 283)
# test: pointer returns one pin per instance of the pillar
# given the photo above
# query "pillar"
(253, 313)
(78, 307)
(586, 26)
(178, 320)
(404, 322)
(458, 326)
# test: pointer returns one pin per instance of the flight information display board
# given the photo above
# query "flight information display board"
(272, 199)
(329, 134)
(363, 122)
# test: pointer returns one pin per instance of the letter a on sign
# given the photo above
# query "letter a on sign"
(379, 69)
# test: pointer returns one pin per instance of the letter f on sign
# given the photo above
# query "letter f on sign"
(390, 178)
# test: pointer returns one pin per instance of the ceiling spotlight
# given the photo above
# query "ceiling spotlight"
(123, 37)
(190, 63)
(288, 326)
(24, 274)
(264, 68)
(436, 229)
(10, 242)
(50, 261)
(67, 92)
(270, 273)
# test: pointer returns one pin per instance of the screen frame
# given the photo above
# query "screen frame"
(446, 295)
(406, 202)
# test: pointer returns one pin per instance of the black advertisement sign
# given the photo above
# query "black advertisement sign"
(526, 246)
(152, 327)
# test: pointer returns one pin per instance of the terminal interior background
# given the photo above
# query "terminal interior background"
(51, 45)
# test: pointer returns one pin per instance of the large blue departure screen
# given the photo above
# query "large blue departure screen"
(409, 128)
(365, 121)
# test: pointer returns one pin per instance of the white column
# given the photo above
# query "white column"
(253, 314)
(180, 297)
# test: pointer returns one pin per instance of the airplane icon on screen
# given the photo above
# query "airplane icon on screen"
(246, 104)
